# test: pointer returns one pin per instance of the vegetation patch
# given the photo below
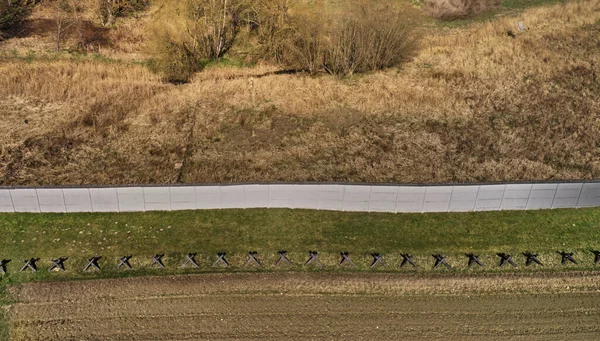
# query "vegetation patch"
(486, 101)
(267, 231)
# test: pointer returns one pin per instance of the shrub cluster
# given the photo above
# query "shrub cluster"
(12, 13)
(360, 38)
(109, 10)
(341, 39)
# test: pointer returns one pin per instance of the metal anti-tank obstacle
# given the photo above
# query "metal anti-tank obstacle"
(252, 259)
(566, 257)
(407, 259)
(377, 259)
(157, 259)
(58, 264)
(474, 259)
(439, 259)
(30, 263)
(313, 257)
(596, 256)
(506, 259)
(93, 262)
(346, 259)
(283, 258)
(221, 259)
(3, 264)
(124, 261)
(190, 259)
(531, 258)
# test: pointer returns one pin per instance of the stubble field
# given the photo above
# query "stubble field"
(311, 306)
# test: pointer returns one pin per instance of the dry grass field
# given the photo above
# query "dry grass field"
(474, 104)
(302, 306)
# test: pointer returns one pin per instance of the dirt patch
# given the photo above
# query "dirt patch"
(311, 306)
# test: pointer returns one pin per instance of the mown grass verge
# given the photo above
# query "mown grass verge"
(266, 231)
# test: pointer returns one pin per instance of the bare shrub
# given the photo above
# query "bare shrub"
(362, 36)
(175, 61)
(458, 9)
(270, 24)
(109, 10)
(192, 33)
(305, 46)
(67, 19)
(214, 25)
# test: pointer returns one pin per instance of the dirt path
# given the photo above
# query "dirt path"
(314, 306)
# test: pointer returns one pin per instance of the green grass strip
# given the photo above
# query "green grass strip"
(269, 230)
(112, 234)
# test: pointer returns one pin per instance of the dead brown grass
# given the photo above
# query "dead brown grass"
(474, 105)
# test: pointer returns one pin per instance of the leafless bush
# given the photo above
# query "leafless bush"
(363, 36)
(175, 61)
(109, 10)
(458, 9)
(270, 24)
(67, 18)
(193, 33)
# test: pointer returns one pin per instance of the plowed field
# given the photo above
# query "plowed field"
(311, 306)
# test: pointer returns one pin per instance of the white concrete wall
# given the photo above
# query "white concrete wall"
(359, 198)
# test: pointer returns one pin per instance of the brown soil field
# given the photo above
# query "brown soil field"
(311, 306)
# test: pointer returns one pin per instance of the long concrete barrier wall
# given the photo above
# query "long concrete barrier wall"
(339, 197)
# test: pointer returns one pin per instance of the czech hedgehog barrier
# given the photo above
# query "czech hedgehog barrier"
(339, 197)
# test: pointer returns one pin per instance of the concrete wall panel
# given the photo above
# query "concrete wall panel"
(208, 197)
(158, 198)
(410, 199)
(437, 199)
(183, 198)
(305, 197)
(25, 200)
(233, 196)
(383, 198)
(51, 200)
(357, 198)
(541, 196)
(331, 197)
(78, 199)
(281, 196)
(567, 195)
(463, 198)
(516, 196)
(104, 199)
(131, 199)
(6, 204)
(489, 197)
(590, 195)
(257, 196)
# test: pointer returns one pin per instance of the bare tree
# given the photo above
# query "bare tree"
(67, 19)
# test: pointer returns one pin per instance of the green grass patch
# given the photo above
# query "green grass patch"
(507, 8)
(111, 235)
(508, 5)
